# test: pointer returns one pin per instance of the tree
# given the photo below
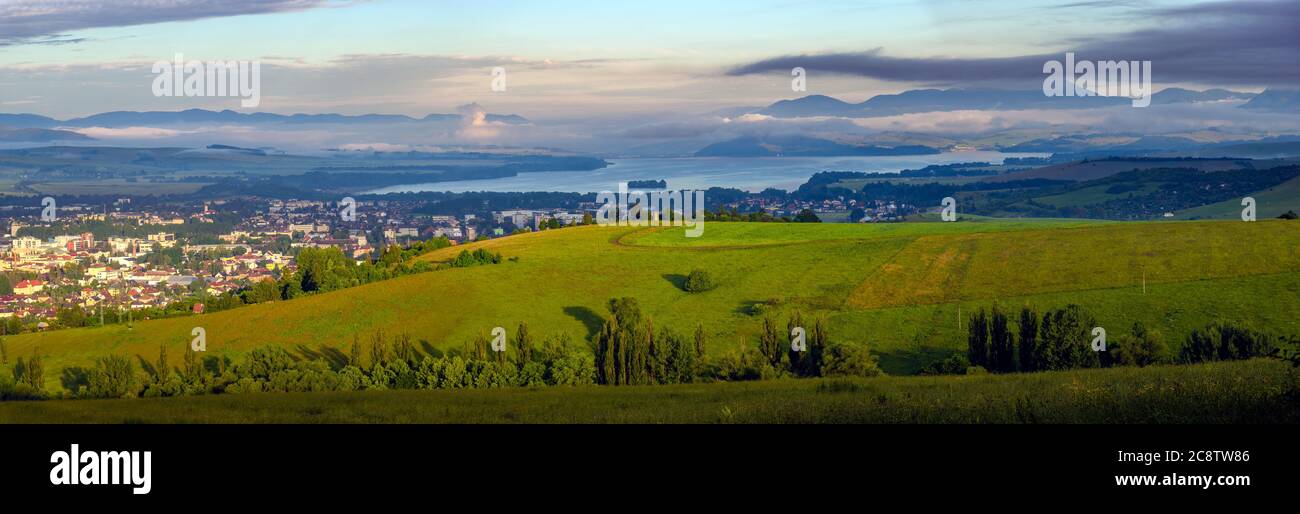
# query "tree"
(817, 341)
(34, 371)
(623, 345)
(113, 377)
(700, 340)
(977, 339)
(807, 216)
(161, 370)
(1141, 348)
(523, 344)
(850, 360)
(378, 348)
(264, 290)
(354, 356)
(1002, 351)
(699, 281)
(1065, 340)
(795, 358)
(769, 343)
(1028, 338)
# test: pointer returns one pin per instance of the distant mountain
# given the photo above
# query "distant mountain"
(1284, 100)
(37, 135)
(200, 116)
(814, 105)
(26, 121)
(938, 100)
(802, 146)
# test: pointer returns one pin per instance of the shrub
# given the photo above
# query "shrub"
(844, 360)
(1224, 341)
(699, 281)
(955, 364)
(1142, 348)
(113, 377)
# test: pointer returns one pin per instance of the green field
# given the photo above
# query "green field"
(896, 287)
(1228, 392)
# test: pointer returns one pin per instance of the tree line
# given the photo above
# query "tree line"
(1062, 339)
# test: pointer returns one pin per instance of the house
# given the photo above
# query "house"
(29, 287)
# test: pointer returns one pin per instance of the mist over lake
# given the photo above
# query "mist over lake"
(749, 173)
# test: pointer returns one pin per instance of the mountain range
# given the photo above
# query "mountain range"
(931, 100)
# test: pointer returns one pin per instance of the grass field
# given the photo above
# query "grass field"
(896, 287)
(1229, 392)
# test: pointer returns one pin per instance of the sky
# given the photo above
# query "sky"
(624, 69)
(563, 58)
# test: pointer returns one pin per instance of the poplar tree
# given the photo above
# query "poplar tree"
(1002, 352)
(523, 344)
(163, 372)
(795, 358)
(354, 356)
(977, 339)
(1028, 339)
(769, 343)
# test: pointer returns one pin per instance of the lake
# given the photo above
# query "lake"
(751, 174)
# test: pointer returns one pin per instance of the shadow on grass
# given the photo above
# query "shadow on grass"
(910, 361)
(590, 319)
(74, 377)
(677, 280)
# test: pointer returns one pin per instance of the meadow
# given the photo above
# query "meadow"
(902, 289)
(1258, 391)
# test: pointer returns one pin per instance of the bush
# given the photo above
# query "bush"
(1142, 348)
(113, 377)
(844, 360)
(699, 281)
(955, 364)
(1223, 342)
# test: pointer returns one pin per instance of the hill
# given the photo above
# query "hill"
(896, 287)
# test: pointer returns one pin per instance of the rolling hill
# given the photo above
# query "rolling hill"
(900, 288)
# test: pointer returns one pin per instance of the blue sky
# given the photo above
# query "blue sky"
(566, 58)
(719, 31)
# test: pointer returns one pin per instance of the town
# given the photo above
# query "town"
(134, 258)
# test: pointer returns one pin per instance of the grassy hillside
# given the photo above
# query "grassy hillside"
(1227, 392)
(896, 287)
(1269, 203)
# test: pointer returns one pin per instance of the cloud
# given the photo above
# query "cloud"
(45, 22)
(127, 132)
(1240, 43)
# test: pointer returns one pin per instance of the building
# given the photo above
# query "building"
(29, 287)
